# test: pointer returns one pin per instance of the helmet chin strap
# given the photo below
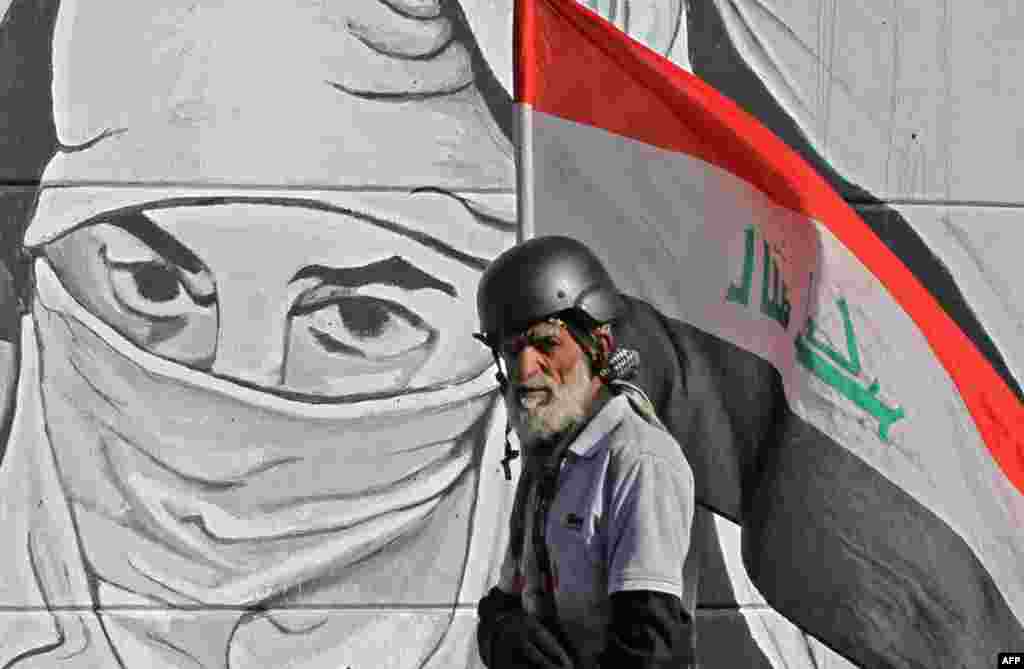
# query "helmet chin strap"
(510, 453)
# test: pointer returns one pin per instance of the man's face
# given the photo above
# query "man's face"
(551, 385)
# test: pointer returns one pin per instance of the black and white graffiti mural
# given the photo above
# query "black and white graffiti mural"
(246, 424)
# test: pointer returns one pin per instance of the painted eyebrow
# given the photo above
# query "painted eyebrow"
(394, 271)
(147, 231)
(418, 236)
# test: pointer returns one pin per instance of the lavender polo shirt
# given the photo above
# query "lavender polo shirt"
(620, 520)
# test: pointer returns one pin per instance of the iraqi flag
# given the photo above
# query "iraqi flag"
(824, 398)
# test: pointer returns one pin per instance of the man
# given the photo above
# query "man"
(601, 585)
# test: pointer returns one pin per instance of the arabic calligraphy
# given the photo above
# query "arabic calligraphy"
(740, 294)
(774, 291)
(840, 370)
(774, 298)
(829, 365)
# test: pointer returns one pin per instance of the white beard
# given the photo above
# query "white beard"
(566, 407)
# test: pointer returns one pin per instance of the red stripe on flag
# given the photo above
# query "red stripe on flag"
(573, 64)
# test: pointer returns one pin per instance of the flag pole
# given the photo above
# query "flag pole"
(524, 173)
(522, 84)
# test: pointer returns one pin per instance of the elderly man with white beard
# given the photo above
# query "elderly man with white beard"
(600, 531)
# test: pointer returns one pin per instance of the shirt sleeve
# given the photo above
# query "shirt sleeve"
(650, 516)
(510, 581)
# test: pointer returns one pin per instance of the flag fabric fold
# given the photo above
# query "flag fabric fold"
(824, 398)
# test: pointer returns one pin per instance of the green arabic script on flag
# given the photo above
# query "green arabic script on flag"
(842, 373)
(829, 369)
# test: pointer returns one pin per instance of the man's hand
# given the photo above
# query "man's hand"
(510, 638)
(648, 630)
(522, 641)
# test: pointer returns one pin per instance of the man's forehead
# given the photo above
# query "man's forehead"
(549, 327)
(266, 92)
(545, 328)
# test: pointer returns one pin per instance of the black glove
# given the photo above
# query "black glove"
(510, 638)
(649, 630)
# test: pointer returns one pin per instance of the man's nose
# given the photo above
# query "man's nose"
(252, 335)
(529, 362)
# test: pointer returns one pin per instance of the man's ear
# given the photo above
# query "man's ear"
(605, 343)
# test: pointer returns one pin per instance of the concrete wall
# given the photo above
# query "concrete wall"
(247, 424)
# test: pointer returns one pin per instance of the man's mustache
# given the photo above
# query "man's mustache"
(538, 383)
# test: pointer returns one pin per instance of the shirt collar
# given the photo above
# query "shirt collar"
(606, 420)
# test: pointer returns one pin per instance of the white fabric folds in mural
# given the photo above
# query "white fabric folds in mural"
(882, 500)
(177, 493)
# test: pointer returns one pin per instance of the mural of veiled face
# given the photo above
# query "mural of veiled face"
(256, 274)
(270, 387)
(297, 298)
(277, 287)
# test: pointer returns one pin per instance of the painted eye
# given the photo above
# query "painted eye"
(155, 289)
(386, 326)
(342, 342)
(144, 284)
(368, 327)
